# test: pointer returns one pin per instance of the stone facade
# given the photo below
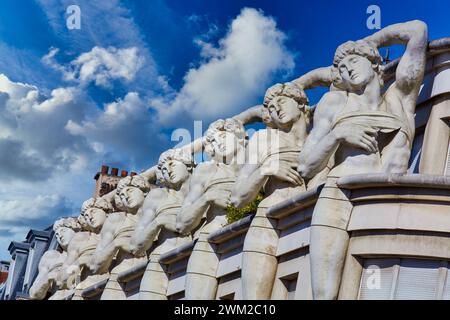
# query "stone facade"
(356, 207)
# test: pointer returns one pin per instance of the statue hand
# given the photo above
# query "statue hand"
(363, 137)
(218, 197)
(284, 171)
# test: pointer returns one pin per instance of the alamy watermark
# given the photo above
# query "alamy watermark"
(73, 20)
(373, 278)
(374, 20)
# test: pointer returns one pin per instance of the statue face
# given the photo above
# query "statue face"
(284, 111)
(64, 235)
(83, 222)
(356, 72)
(131, 197)
(223, 146)
(175, 172)
(94, 218)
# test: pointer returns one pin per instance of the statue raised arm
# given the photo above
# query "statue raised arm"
(367, 129)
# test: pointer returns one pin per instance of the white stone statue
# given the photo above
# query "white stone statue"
(65, 231)
(366, 129)
(49, 270)
(119, 226)
(209, 193)
(157, 225)
(275, 157)
(79, 253)
(76, 270)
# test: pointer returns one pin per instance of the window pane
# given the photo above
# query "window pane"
(376, 280)
(418, 279)
(446, 295)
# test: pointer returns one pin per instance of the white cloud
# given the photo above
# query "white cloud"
(203, 23)
(52, 146)
(18, 215)
(33, 141)
(124, 125)
(233, 74)
(27, 209)
(52, 143)
(104, 24)
(100, 65)
(50, 60)
(42, 163)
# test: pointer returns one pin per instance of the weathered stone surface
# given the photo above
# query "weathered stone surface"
(335, 195)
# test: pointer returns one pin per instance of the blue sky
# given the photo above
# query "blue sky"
(113, 92)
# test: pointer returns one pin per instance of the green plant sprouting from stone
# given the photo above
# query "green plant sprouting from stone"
(234, 214)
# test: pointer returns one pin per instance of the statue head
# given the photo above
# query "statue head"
(130, 193)
(224, 138)
(355, 64)
(65, 229)
(174, 167)
(283, 105)
(93, 214)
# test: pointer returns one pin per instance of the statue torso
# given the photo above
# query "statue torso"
(387, 118)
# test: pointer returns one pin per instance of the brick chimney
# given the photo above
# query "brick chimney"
(105, 170)
(4, 268)
(107, 181)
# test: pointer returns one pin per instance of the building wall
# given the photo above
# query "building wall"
(399, 227)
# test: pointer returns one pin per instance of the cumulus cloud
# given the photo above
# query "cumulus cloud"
(100, 65)
(33, 140)
(124, 125)
(28, 210)
(53, 142)
(52, 146)
(104, 24)
(233, 74)
(19, 214)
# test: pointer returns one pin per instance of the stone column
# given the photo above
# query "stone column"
(434, 155)
(39, 241)
(19, 256)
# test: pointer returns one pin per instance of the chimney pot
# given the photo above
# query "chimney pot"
(105, 169)
(124, 173)
(114, 171)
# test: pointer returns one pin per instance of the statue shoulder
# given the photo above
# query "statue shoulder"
(153, 197)
(156, 193)
(50, 257)
(330, 104)
(78, 239)
(333, 98)
(261, 136)
(114, 218)
(203, 169)
(79, 236)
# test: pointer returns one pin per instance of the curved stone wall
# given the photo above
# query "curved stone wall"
(399, 227)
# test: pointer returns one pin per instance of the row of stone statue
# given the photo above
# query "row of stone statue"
(359, 126)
